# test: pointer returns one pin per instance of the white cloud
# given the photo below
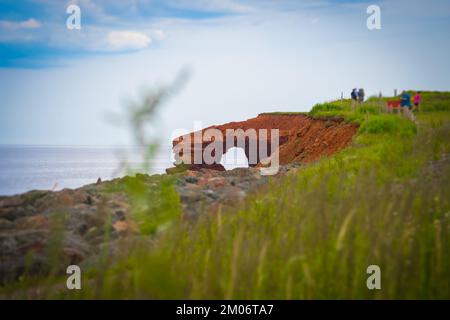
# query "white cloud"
(158, 34)
(30, 24)
(128, 40)
(213, 5)
(26, 24)
(19, 31)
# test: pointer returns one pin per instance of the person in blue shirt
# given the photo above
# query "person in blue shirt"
(406, 100)
(406, 105)
(354, 94)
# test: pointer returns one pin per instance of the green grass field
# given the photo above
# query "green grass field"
(311, 235)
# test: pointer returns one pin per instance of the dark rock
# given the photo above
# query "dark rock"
(120, 214)
(82, 228)
(89, 200)
(6, 224)
(12, 213)
(191, 180)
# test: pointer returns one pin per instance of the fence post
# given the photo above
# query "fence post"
(380, 97)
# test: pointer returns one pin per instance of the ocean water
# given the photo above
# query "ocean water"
(25, 168)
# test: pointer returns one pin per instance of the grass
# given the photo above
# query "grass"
(313, 233)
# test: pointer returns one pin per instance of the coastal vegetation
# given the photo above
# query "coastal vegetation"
(309, 234)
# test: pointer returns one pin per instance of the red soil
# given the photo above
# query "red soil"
(303, 138)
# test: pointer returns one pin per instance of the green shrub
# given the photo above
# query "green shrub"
(327, 107)
(367, 109)
(392, 124)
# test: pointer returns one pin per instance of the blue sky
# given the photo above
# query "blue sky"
(57, 86)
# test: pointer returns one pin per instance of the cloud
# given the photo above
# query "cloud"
(26, 24)
(128, 40)
(229, 6)
(30, 24)
(19, 31)
(104, 23)
(158, 34)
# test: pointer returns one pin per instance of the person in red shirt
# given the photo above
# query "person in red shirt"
(417, 100)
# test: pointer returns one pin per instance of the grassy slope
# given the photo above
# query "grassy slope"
(312, 234)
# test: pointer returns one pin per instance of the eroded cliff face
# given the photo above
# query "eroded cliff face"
(302, 139)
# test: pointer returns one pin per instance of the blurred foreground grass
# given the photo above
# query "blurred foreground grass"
(311, 234)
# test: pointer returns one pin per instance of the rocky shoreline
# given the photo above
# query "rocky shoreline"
(74, 221)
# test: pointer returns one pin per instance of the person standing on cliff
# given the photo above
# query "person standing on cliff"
(406, 104)
(361, 95)
(405, 100)
(417, 100)
(354, 96)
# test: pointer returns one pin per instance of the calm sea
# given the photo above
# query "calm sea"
(25, 168)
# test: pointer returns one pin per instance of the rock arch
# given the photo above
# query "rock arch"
(302, 138)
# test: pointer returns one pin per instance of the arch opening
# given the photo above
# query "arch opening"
(234, 158)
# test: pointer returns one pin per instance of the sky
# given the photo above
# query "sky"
(61, 87)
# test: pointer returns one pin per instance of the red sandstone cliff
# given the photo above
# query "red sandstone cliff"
(302, 138)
